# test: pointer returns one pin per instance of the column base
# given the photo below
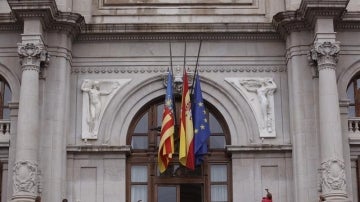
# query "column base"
(336, 197)
(23, 199)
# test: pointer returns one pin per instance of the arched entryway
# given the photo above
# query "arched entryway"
(210, 181)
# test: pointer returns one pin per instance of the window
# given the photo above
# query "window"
(177, 183)
(5, 98)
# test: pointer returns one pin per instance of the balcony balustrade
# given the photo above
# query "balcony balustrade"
(4, 131)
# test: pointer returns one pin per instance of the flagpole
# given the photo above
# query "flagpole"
(196, 68)
(171, 64)
(172, 73)
(185, 57)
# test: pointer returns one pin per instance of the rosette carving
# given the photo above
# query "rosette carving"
(324, 55)
(333, 176)
(25, 175)
(32, 56)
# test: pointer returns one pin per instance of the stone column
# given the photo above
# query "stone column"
(25, 170)
(332, 169)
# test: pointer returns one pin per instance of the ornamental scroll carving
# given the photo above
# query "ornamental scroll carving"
(32, 56)
(324, 55)
(25, 176)
(333, 176)
(96, 96)
(259, 93)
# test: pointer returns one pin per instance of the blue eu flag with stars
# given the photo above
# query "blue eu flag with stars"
(201, 124)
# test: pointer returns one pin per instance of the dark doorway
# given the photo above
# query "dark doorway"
(191, 193)
(180, 193)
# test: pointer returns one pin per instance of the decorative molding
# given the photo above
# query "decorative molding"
(304, 18)
(310, 10)
(258, 147)
(324, 55)
(53, 19)
(8, 22)
(333, 176)
(26, 178)
(289, 21)
(98, 149)
(120, 3)
(349, 21)
(256, 35)
(32, 56)
(259, 94)
(250, 68)
(96, 96)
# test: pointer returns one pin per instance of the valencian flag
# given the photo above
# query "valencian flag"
(186, 150)
(201, 124)
(166, 145)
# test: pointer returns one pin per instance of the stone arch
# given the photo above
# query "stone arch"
(13, 81)
(125, 105)
(345, 77)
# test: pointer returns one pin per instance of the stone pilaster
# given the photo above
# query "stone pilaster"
(332, 168)
(26, 170)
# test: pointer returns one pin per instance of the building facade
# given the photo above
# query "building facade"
(82, 87)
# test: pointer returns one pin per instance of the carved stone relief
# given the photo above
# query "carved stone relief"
(25, 176)
(259, 93)
(96, 96)
(333, 176)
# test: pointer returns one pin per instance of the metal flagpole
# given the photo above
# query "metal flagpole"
(185, 57)
(196, 67)
(172, 72)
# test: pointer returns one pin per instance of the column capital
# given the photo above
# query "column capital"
(32, 55)
(324, 54)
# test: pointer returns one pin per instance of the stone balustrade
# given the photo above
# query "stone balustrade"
(354, 129)
(4, 131)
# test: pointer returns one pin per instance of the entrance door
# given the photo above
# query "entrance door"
(180, 193)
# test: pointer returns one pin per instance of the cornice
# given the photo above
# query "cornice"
(349, 21)
(178, 27)
(310, 10)
(181, 31)
(8, 22)
(304, 18)
(52, 18)
(290, 21)
(162, 69)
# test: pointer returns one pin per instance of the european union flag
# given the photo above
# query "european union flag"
(201, 124)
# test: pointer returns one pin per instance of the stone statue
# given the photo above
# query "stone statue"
(264, 88)
(96, 89)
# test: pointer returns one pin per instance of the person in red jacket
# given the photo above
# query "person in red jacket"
(268, 197)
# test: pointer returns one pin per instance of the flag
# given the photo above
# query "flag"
(166, 145)
(186, 150)
(201, 124)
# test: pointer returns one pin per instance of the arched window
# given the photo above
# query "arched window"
(208, 182)
(353, 93)
(5, 98)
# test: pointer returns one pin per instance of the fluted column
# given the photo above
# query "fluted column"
(332, 169)
(25, 170)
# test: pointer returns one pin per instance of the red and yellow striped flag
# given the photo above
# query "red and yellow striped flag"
(166, 145)
(186, 150)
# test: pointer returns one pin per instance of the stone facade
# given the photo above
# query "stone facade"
(277, 71)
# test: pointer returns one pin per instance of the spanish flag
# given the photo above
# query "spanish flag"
(186, 150)
(166, 145)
